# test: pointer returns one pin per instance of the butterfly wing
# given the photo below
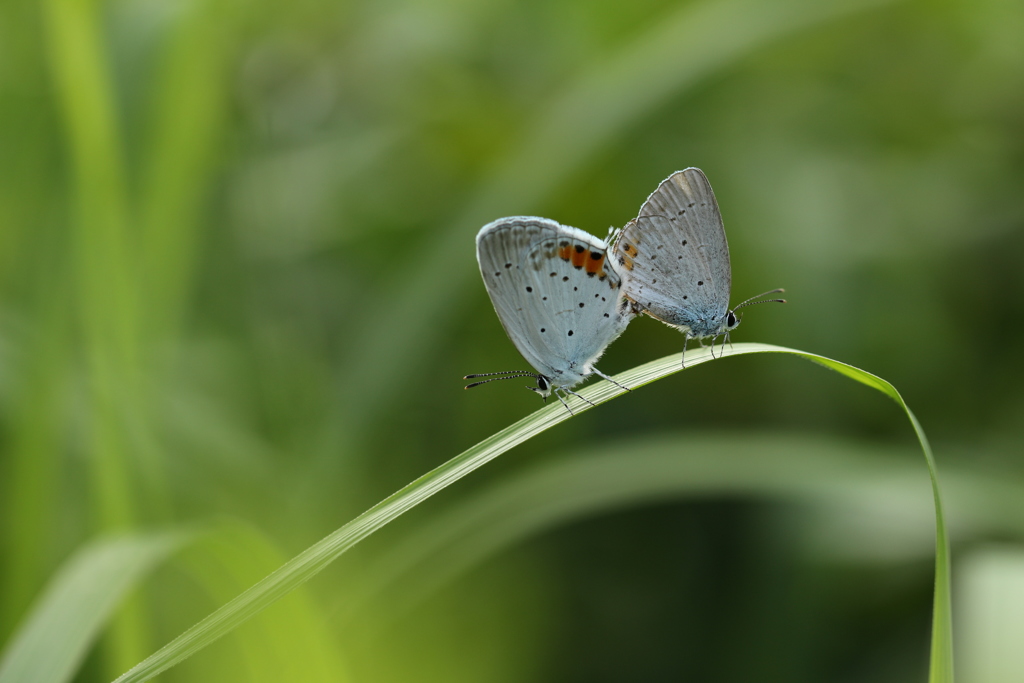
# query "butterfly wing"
(555, 293)
(674, 257)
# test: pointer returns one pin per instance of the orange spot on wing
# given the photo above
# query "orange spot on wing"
(594, 264)
(566, 252)
(625, 261)
(579, 257)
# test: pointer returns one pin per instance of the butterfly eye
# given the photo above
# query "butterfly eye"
(730, 320)
(542, 384)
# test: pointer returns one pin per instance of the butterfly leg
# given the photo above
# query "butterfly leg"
(562, 401)
(604, 376)
(570, 391)
(686, 339)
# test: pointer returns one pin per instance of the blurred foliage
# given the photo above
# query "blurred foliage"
(237, 281)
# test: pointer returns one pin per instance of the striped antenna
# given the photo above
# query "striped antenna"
(751, 302)
(508, 374)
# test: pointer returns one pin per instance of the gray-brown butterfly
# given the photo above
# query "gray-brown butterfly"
(674, 259)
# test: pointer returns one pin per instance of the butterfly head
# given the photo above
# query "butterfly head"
(543, 387)
(732, 321)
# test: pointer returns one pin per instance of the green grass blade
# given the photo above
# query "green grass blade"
(311, 561)
(77, 604)
(941, 668)
(630, 472)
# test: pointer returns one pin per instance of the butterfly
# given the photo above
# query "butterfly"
(674, 260)
(558, 297)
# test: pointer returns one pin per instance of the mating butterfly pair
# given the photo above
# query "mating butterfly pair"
(564, 295)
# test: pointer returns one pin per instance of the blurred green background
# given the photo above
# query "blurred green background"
(238, 293)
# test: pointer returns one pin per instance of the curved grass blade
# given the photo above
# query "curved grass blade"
(310, 562)
(77, 604)
(627, 473)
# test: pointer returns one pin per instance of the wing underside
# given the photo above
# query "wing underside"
(554, 292)
(674, 256)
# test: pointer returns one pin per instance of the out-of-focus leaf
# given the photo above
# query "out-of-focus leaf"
(990, 597)
(189, 106)
(289, 642)
(106, 287)
(75, 607)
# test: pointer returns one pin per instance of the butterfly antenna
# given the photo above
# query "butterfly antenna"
(751, 302)
(604, 376)
(509, 374)
(519, 373)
